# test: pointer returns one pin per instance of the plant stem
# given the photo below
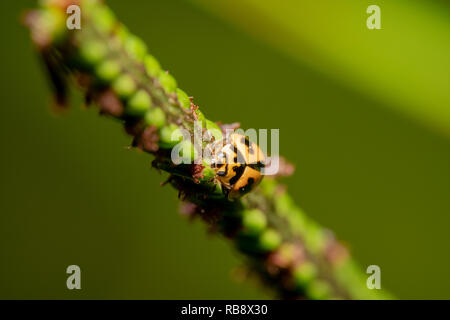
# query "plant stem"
(288, 251)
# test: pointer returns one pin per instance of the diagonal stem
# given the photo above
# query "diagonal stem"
(288, 251)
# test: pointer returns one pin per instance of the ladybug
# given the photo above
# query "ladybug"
(237, 163)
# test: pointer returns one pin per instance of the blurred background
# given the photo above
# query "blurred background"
(363, 114)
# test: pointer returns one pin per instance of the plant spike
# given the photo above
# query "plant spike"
(288, 251)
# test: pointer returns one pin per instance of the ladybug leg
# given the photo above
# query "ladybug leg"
(225, 191)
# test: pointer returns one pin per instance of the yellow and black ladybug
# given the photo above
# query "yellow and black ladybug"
(237, 163)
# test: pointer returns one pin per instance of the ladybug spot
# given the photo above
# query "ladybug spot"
(239, 172)
(257, 166)
(245, 141)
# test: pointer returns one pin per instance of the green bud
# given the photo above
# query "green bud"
(124, 86)
(208, 173)
(92, 52)
(268, 187)
(165, 136)
(217, 192)
(304, 274)
(187, 152)
(269, 240)
(104, 19)
(108, 70)
(254, 221)
(91, 5)
(214, 130)
(52, 21)
(183, 98)
(186, 103)
(139, 103)
(297, 219)
(319, 290)
(316, 238)
(155, 117)
(135, 47)
(167, 82)
(122, 33)
(200, 116)
(152, 65)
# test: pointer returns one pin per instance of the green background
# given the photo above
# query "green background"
(71, 193)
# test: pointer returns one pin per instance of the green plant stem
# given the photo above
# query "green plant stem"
(288, 251)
